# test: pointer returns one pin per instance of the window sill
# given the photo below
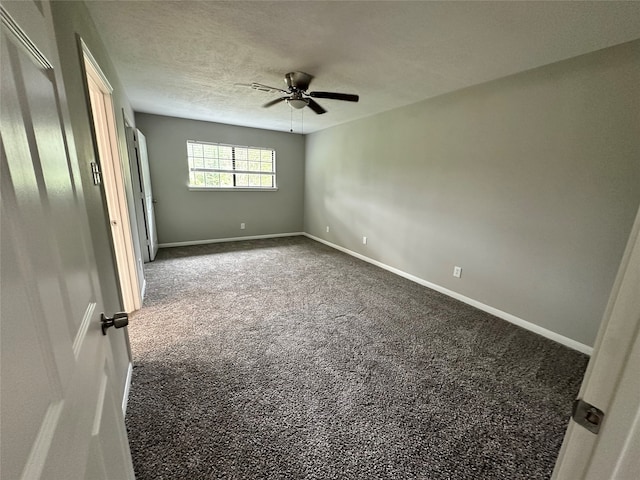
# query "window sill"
(248, 189)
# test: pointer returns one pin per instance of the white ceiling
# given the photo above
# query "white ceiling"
(183, 58)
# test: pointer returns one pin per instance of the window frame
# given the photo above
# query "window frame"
(191, 168)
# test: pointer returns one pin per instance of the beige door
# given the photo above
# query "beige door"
(60, 412)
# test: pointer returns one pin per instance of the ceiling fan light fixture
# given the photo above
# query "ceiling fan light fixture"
(298, 103)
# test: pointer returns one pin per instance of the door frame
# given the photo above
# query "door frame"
(112, 175)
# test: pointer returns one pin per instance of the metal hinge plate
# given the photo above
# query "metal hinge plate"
(587, 415)
(95, 171)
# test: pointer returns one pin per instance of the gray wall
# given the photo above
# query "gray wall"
(71, 19)
(530, 183)
(183, 215)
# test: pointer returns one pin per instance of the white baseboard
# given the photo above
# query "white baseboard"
(127, 388)
(231, 239)
(143, 291)
(556, 337)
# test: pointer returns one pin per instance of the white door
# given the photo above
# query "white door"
(60, 412)
(136, 185)
(143, 194)
(150, 215)
(612, 384)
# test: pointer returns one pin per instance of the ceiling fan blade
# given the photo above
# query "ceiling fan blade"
(267, 88)
(315, 106)
(347, 97)
(298, 80)
(274, 102)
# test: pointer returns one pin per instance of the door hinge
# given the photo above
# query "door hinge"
(587, 415)
(95, 171)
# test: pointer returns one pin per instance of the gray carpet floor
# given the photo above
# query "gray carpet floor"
(286, 359)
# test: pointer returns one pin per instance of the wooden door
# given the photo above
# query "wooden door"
(60, 411)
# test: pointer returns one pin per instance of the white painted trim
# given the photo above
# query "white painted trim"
(127, 389)
(88, 56)
(238, 189)
(556, 337)
(231, 239)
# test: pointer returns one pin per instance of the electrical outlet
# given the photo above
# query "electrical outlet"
(242, 226)
(327, 228)
(364, 240)
(457, 272)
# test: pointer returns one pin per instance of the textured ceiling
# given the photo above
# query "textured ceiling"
(183, 58)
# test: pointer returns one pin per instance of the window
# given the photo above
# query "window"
(219, 166)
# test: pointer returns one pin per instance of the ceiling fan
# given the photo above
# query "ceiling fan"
(296, 95)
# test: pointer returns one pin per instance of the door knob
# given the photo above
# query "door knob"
(119, 320)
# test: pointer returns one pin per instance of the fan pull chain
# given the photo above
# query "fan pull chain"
(291, 115)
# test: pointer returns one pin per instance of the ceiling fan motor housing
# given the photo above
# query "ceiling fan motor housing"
(298, 81)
